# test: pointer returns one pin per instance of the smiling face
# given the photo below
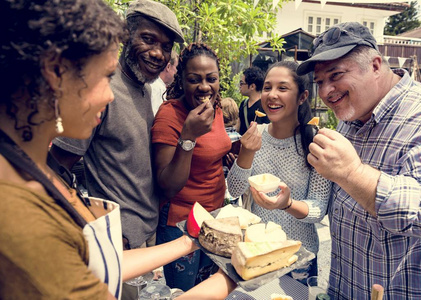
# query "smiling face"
(280, 99)
(84, 98)
(346, 89)
(149, 50)
(200, 80)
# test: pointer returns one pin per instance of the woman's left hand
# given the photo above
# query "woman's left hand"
(276, 202)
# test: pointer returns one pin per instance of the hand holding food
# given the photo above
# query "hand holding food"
(280, 201)
(198, 122)
(251, 139)
(333, 156)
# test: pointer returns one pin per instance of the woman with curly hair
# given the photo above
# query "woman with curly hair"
(56, 61)
(189, 140)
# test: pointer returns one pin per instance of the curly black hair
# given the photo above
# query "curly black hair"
(175, 90)
(254, 75)
(37, 30)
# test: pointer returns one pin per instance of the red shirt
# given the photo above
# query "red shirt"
(206, 182)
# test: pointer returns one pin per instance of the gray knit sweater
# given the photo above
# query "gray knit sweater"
(280, 158)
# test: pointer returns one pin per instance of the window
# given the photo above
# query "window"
(370, 25)
(317, 24)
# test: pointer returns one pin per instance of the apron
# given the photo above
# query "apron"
(105, 245)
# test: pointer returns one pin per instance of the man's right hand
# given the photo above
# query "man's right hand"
(333, 156)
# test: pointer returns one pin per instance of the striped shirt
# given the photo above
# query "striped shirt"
(387, 249)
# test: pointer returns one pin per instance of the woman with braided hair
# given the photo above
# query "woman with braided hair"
(190, 141)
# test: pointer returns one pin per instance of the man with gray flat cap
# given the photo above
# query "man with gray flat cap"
(117, 156)
(374, 161)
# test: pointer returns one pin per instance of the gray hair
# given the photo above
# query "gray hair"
(363, 55)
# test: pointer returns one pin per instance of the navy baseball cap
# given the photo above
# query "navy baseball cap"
(335, 43)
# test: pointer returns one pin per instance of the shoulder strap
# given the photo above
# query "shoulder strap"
(245, 110)
(21, 160)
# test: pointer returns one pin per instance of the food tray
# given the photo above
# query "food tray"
(224, 263)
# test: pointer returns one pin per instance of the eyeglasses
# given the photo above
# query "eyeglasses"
(242, 83)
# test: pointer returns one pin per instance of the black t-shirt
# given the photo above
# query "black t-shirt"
(250, 115)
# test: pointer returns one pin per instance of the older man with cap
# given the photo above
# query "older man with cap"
(374, 160)
(117, 155)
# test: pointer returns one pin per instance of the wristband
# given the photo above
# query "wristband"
(288, 206)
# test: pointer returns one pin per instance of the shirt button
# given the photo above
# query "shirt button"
(334, 256)
(336, 210)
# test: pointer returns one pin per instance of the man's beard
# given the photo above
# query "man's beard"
(133, 63)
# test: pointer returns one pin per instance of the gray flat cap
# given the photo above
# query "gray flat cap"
(159, 13)
(335, 43)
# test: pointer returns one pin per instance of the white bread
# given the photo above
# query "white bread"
(254, 259)
(270, 232)
(246, 217)
(220, 236)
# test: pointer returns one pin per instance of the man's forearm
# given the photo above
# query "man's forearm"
(361, 185)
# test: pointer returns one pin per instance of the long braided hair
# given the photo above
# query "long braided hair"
(175, 90)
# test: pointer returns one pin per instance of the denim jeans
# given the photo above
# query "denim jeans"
(187, 271)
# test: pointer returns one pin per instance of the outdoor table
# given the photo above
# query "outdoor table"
(284, 285)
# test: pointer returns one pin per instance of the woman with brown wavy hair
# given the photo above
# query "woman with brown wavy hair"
(56, 60)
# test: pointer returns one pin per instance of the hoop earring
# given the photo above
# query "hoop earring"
(59, 121)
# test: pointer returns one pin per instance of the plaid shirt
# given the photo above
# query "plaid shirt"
(385, 250)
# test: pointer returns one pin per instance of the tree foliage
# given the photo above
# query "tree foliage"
(405, 21)
(230, 27)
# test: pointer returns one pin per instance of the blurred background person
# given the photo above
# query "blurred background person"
(251, 84)
(160, 85)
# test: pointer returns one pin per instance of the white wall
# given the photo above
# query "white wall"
(290, 19)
